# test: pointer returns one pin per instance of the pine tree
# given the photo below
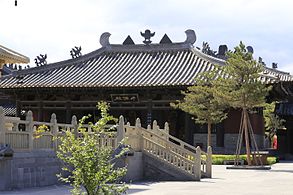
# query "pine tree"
(272, 121)
(242, 88)
(199, 101)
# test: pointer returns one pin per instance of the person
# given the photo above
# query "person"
(275, 142)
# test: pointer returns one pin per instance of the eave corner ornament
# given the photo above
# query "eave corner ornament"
(75, 52)
(147, 36)
(190, 36)
(104, 39)
(41, 60)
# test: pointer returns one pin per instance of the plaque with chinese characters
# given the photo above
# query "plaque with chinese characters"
(124, 97)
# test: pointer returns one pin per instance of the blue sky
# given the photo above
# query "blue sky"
(55, 26)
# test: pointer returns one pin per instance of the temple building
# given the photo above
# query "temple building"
(8, 56)
(138, 80)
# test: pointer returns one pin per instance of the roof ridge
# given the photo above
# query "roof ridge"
(213, 60)
(150, 47)
(109, 48)
(58, 64)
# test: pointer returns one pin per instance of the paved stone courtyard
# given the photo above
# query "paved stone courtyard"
(277, 181)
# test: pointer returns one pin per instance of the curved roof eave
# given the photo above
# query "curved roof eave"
(57, 64)
(211, 59)
(10, 56)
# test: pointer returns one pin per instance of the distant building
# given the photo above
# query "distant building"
(8, 56)
(138, 80)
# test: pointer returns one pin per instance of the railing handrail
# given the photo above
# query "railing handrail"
(169, 142)
(174, 153)
(156, 137)
(182, 143)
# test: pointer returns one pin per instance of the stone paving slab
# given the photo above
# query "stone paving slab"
(277, 181)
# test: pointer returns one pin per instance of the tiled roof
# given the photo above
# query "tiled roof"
(10, 56)
(173, 64)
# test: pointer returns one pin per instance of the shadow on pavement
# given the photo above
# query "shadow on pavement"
(282, 171)
(135, 190)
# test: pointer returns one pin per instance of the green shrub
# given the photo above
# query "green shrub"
(90, 165)
(218, 159)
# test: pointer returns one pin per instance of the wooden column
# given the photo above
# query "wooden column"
(68, 111)
(149, 112)
(187, 131)
(18, 108)
(40, 111)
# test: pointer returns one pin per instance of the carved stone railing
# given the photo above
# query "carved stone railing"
(160, 144)
(19, 134)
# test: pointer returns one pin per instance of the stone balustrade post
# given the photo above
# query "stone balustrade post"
(54, 130)
(30, 129)
(166, 127)
(156, 129)
(139, 133)
(75, 125)
(197, 164)
(149, 127)
(209, 162)
(155, 125)
(120, 130)
(2, 126)
(166, 136)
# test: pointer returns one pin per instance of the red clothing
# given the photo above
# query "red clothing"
(275, 142)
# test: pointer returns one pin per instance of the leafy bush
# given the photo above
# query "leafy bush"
(89, 164)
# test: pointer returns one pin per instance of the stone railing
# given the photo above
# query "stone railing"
(19, 134)
(159, 143)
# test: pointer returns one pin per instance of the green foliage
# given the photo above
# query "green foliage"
(218, 159)
(89, 164)
(272, 121)
(241, 86)
(199, 101)
(39, 131)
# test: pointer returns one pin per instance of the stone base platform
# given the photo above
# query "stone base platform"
(246, 167)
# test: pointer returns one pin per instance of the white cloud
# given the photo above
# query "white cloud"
(55, 26)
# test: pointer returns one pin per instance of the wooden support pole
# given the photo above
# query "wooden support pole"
(209, 140)
(246, 134)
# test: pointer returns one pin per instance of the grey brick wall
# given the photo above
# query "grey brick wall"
(29, 169)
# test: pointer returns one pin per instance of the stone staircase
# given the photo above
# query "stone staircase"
(166, 157)
(158, 155)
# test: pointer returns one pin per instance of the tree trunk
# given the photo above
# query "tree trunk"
(209, 141)
(246, 134)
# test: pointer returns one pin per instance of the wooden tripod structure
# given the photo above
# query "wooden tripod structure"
(250, 142)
